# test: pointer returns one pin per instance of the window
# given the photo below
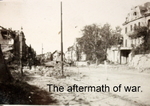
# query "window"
(131, 27)
(135, 13)
(126, 43)
(135, 27)
(148, 24)
(139, 24)
(126, 30)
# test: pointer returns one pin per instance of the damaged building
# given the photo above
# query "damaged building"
(138, 16)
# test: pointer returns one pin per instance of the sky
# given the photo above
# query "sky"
(41, 22)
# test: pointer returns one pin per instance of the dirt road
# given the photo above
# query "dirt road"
(127, 87)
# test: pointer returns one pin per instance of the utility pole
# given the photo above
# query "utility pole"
(61, 41)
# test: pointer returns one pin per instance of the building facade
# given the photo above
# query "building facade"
(70, 54)
(14, 47)
(139, 16)
(6, 40)
(74, 53)
(56, 56)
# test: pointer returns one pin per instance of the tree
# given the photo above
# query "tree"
(144, 33)
(97, 39)
(5, 75)
(88, 42)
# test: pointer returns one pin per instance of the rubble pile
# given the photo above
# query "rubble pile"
(141, 61)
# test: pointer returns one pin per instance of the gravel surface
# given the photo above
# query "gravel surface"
(94, 76)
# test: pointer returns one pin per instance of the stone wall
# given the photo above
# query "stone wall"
(140, 61)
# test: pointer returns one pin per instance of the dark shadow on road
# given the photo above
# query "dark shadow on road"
(20, 92)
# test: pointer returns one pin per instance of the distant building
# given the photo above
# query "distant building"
(45, 57)
(48, 56)
(74, 52)
(56, 56)
(71, 54)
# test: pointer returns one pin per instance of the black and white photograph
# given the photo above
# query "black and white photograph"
(75, 52)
